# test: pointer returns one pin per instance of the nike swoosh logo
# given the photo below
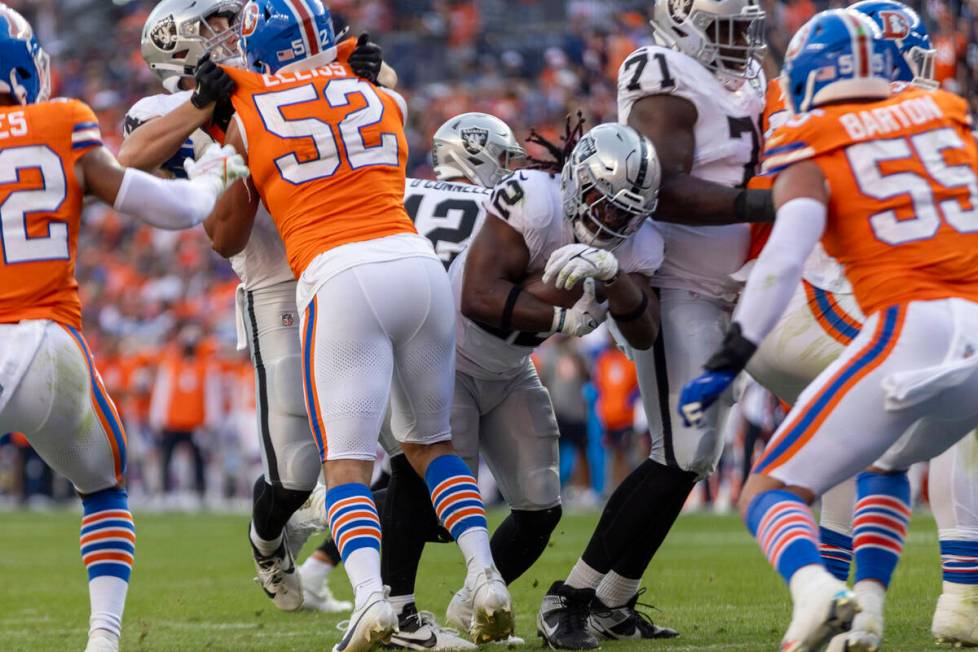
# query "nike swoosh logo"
(429, 642)
(548, 629)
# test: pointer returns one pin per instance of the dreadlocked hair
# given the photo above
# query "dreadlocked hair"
(558, 153)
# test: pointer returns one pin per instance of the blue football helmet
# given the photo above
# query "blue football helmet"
(835, 56)
(902, 30)
(24, 65)
(276, 33)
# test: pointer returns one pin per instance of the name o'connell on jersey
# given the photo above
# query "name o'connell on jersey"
(446, 213)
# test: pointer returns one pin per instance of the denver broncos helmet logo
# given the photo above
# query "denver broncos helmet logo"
(249, 19)
(895, 25)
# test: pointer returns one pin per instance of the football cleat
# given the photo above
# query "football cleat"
(102, 641)
(956, 617)
(459, 611)
(562, 622)
(370, 626)
(418, 630)
(322, 599)
(492, 608)
(625, 622)
(277, 576)
(307, 520)
(823, 608)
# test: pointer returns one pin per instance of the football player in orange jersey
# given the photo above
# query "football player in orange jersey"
(51, 156)
(328, 152)
(890, 187)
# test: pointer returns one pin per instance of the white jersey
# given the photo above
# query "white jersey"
(701, 259)
(446, 213)
(530, 202)
(262, 263)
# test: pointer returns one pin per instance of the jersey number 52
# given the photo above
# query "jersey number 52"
(337, 93)
(18, 246)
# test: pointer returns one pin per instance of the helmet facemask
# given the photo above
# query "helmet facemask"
(602, 220)
(732, 43)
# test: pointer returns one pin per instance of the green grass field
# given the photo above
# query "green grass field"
(192, 588)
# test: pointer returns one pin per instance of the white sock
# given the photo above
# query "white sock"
(107, 595)
(401, 601)
(583, 576)
(314, 572)
(616, 590)
(966, 590)
(474, 544)
(265, 547)
(871, 596)
(363, 568)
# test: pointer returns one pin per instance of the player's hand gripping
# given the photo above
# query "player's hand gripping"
(212, 84)
(366, 59)
(719, 372)
(218, 166)
(574, 262)
(585, 315)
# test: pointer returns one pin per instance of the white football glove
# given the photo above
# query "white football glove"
(586, 315)
(219, 166)
(574, 262)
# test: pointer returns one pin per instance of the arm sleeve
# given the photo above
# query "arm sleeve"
(799, 226)
(171, 204)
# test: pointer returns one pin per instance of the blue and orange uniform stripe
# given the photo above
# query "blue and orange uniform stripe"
(309, 379)
(105, 409)
(795, 434)
(834, 320)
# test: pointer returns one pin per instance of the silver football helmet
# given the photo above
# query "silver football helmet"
(726, 36)
(176, 36)
(477, 146)
(610, 184)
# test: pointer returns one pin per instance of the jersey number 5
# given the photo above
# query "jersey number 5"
(927, 148)
(337, 94)
(18, 246)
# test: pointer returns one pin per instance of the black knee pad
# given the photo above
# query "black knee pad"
(540, 523)
(273, 506)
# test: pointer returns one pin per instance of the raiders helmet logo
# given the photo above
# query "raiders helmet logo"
(164, 34)
(679, 9)
(474, 139)
(586, 149)
(249, 19)
(895, 25)
(288, 319)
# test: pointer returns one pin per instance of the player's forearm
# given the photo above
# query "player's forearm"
(779, 268)
(634, 309)
(229, 225)
(685, 199)
(172, 204)
(502, 304)
(155, 142)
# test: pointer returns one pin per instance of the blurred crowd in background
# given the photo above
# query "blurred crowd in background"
(159, 306)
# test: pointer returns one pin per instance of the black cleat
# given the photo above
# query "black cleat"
(562, 622)
(625, 622)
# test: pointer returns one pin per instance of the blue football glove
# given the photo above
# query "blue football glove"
(702, 392)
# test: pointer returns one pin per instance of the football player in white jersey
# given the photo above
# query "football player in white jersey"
(181, 40)
(586, 226)
(697, 94)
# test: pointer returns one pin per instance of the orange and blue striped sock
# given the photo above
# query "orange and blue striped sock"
(959, 561)
(459, 507)
(836, 550)
(355, 526)
(879, 524)
(108, 545)
(785, 529)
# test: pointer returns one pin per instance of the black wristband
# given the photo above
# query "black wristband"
(734, 354)
(752, 205)
(633, 314)
(506, 322)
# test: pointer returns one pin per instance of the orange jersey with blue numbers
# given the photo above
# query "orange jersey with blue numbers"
(40, 208)
(327, 153)
(903, 178)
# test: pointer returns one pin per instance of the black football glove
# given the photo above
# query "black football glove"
(365, 60)
(213, 84)
(734, 354)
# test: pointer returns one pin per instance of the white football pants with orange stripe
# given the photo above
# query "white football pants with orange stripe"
(903, 391)
(377, 333)
(53, 395)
